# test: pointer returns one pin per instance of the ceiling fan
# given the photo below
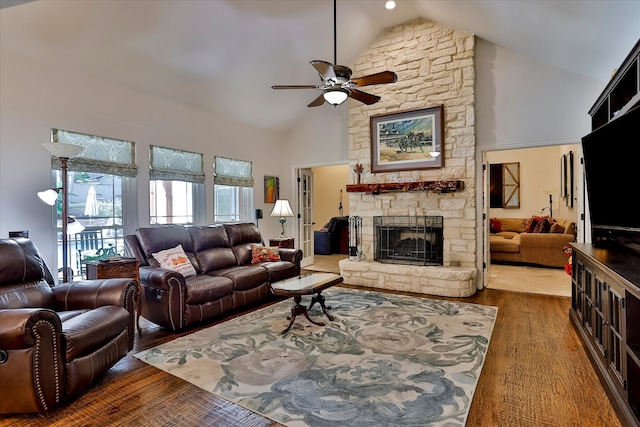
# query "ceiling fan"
(337, 84)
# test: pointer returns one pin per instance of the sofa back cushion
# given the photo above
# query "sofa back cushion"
(22, 276)
(160, 238)
(212, 247)
(241, 237)
(516, 225)
(569, 226)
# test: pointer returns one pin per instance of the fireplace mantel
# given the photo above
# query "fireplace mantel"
(435, 186)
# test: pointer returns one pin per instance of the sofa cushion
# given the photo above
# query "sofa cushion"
(241, 237)
(531, 224)
(517, 225)
(279, 270)
(212, 248)
(203, 288)
(175, 259)
(244, 277)
(159, 238)
(86, 331)
(556, 228)
(500, 244)
(494, 225)
(264, 254)
(542, 226)
(507, 234)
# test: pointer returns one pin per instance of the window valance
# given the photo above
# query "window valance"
(238, 173)
(100, 155)
(176, 165)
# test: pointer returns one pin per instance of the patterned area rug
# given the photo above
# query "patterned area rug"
(386, 360)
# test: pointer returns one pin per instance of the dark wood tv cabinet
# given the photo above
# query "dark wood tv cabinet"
(605, 310)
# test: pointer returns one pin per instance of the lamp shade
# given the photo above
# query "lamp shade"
(282, 209)
(62, 151)
(335, 96)
(48, 196)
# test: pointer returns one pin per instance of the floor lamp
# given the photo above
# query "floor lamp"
(63, 152)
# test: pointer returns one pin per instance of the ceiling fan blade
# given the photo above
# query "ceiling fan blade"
(325, 69)
(294, 87)
(317, 102)
(376, 79)
(364, 97)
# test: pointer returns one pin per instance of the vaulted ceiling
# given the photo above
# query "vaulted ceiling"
(223, 56)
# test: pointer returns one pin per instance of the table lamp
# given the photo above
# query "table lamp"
(283, 210)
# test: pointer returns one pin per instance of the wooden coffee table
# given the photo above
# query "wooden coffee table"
(296, 287)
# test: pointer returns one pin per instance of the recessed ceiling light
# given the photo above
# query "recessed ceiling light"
(390, 4)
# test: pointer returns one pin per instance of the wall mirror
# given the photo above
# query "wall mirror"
(504, 185)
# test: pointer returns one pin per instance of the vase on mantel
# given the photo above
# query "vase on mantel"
(358, 169)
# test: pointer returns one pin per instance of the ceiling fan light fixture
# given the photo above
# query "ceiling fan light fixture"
(434, 153)
(390, 4)
(335, 96)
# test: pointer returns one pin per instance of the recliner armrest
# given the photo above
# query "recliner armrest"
(89, 294)
(16, 326)
(158, 278)
(32, 369)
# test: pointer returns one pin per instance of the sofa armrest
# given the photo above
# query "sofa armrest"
(32, 368)
(158, 278)
(292, 255)
(89, 294)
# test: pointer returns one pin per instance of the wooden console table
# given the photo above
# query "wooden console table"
(118, 268)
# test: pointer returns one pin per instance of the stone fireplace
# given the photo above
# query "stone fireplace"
(408, 240)
(435, 66)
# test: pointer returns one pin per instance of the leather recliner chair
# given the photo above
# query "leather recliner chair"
(55, 340)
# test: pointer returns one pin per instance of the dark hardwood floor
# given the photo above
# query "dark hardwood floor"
(536, 374)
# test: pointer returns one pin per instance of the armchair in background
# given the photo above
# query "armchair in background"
(333, 238)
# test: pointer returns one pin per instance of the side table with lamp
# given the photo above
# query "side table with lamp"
(282, 209)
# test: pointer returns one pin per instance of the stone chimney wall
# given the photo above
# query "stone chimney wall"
(435, 66)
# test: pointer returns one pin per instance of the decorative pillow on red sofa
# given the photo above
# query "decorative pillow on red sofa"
(495, 226)
(264, 254)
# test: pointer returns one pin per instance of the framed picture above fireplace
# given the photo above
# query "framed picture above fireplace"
(407, 140)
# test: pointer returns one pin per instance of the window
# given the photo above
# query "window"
(101, 190)
(232, 190)
(176, 186)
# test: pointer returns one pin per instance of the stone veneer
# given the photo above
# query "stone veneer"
(435, 66)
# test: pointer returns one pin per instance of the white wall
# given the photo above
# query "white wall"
(539, 177)
(36, 99)
(522, 103)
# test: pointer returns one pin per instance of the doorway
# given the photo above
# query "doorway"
(321, 196)
(542, 191)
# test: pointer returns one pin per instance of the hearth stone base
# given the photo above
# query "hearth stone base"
(436, 280)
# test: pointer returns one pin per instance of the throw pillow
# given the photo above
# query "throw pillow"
(495, 225)
(532, 223)
(175, 259)
(556, 228)
(543, 226)
(264, 254)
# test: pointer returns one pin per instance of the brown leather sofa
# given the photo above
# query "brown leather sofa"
(56, 340)
(226, 279)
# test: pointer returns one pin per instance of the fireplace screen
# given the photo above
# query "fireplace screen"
(412, 240)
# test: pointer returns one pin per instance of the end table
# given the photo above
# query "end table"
(283, 242)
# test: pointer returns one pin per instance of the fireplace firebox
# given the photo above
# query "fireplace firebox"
(410, 240)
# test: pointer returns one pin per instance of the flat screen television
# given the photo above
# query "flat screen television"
(612, 172)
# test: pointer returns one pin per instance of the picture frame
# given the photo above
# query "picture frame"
(407, 140)
(271, 189)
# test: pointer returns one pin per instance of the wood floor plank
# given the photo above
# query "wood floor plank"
(537, 373)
